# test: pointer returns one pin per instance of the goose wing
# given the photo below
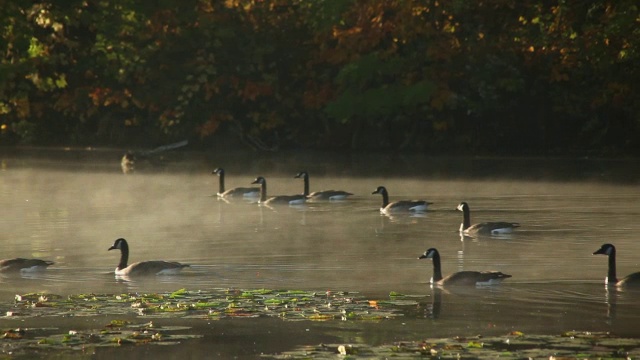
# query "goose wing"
(407, 205)
(154, 267)
(241, 192)
(472, 278)
(488, 228)
(329, 195)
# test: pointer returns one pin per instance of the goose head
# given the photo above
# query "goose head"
(463, 206)
(119, 244)
(302, 174)
(218, 171)
(380, 190)
(429, 254)
(605, 249)
(259, 180)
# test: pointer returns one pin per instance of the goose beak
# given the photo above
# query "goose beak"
(423, 256)
(598, 252)
(111, 248)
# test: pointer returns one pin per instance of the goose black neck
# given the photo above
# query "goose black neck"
(385, 199)
(221, 182)
(306, 185)
(466, 216)
(611, 276)
(437, 271)
(263, 191)
(124, 255)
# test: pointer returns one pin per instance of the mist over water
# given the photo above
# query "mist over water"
(70, 209)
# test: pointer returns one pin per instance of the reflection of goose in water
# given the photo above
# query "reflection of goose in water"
(238, 192)
(612, 279)
(485, 228)
(321, 195)
(413, 206)
(280, 199)
(466, 278)
(21, 265)
(436, 304)
(155, 267)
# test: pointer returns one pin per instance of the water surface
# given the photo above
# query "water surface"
(70, 209)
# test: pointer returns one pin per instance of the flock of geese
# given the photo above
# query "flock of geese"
(470, 278)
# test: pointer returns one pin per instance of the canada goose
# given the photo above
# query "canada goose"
(155, 267)
(321, 195)
(245, 192)
(611, 279)
(485, 228)
(152, 157)
(399, 206)
(280, 199)
(24, 265)
(461, 277)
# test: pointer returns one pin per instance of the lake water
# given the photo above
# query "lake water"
(70, 206)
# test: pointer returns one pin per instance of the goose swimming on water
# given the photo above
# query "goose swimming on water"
(238, 192)
(485, 228)
(321, 195)
(401, 205)
(280, 199)
(468, 278)
(154, 267)
(23, 265)
(612, 279)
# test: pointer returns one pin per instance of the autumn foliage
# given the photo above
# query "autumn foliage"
(497, 76)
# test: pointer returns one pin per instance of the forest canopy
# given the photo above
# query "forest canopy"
(448, 76)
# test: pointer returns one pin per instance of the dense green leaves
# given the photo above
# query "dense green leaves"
(502, 76)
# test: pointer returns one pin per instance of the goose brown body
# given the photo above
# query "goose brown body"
(23, 265)
(280, 199)
(485, 228)
(237, 192)
(153, 267)
(401, 205)
(462, 278)
(321, 195)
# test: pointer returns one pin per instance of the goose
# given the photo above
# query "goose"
(485, 228)
(280, 199)
(462, 277)
(611, 279)
(400, 206)
(321, 195)
(24, 265)
(155, 267)
(244, 192)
